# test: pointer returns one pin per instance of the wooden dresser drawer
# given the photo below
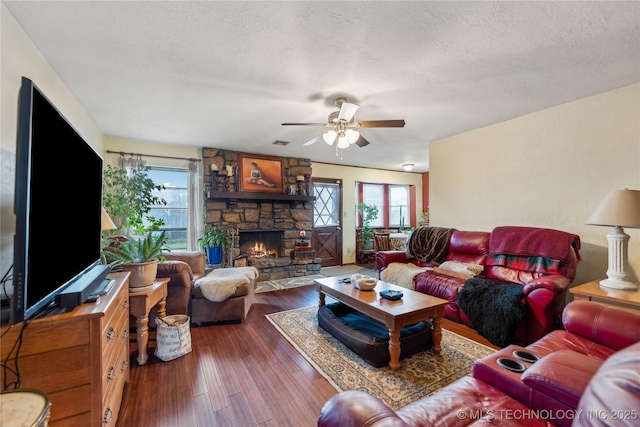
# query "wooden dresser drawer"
(114, 328)
(114, 355)
(112, 398)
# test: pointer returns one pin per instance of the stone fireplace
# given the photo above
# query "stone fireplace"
(273, 220)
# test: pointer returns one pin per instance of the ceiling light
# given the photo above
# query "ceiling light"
(343, 142)
(352, 135)
(330, 137)
(407, 166)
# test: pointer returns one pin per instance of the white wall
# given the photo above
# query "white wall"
(349, 175)
(547, 169)
(21, 58)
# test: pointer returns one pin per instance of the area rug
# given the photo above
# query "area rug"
(420, 375)
(291, 282)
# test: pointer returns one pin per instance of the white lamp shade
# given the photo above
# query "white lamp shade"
(352, 135)
(619, 208)
(343, 142)
(407, 166)
(330, 136)
(107, 223)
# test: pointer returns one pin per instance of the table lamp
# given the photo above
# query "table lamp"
(107, 222)
(621, 208)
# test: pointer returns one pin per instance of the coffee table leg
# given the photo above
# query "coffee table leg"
(394, 349)
(437, 334)
(142, 323)
(321, 296)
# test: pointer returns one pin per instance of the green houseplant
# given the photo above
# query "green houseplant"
(139, 256)
(214, 241)
(128, 197)
(365, 236)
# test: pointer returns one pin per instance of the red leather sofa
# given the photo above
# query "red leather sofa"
(588, 375)
(544, 289)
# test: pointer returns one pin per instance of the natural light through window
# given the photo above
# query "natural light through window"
(175, 213)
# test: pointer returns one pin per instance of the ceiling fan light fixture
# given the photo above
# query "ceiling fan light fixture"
(343, 142)
(408, 166)
(330, 136)
(352, 135)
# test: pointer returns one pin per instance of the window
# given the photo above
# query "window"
(175, 213)
(373, 194)
(399, 206)
(393, 202)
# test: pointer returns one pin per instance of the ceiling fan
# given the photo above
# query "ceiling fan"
(342, 125)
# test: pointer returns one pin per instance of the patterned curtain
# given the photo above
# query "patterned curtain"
(131, 163)
(195, 215)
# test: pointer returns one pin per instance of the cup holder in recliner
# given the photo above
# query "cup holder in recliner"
(526, 356)
(510, 364)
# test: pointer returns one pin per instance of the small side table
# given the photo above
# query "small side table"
(619, 298)
(140, 305)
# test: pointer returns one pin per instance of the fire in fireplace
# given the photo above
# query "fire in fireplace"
(261, 244)
(259, 251)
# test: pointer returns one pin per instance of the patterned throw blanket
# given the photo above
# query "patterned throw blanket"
(429, 244)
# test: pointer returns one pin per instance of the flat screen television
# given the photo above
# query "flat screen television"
(58, 200)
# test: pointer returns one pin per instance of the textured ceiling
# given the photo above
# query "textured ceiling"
(227, 74)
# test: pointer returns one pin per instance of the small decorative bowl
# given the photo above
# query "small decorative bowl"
(362, 282)
(391, 295)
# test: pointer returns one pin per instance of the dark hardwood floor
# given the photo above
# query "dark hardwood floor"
(237, 375)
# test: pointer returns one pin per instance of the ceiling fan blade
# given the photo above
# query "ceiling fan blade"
(361, 142)
(382, 124)
(304, 124)
(347, 111)
(313, 140)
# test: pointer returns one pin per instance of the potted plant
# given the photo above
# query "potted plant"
(128, 197)
(139, 256)
(214, 241)
(365, 236)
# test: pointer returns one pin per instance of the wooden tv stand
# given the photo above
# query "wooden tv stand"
(79, 357)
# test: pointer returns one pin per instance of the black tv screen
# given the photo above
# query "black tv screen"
(58, 199)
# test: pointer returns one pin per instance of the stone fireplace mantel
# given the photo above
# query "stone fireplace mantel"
(233, 197)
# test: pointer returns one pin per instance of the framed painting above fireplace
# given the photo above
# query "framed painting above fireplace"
(260, 174)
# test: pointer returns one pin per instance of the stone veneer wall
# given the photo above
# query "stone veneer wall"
(262, 214)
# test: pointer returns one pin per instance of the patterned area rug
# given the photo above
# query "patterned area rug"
(420, 375)
(291, 282)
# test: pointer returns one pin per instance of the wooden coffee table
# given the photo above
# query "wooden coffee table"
(414, 307)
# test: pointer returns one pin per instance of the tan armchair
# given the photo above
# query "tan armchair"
(183, 268)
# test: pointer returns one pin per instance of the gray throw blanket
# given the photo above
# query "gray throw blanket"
(429, 244)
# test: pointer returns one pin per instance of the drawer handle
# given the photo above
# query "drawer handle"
(124, 366)
(111, 373)
(111, 333)
(125, 304)
(125, 334)
(108, 416)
